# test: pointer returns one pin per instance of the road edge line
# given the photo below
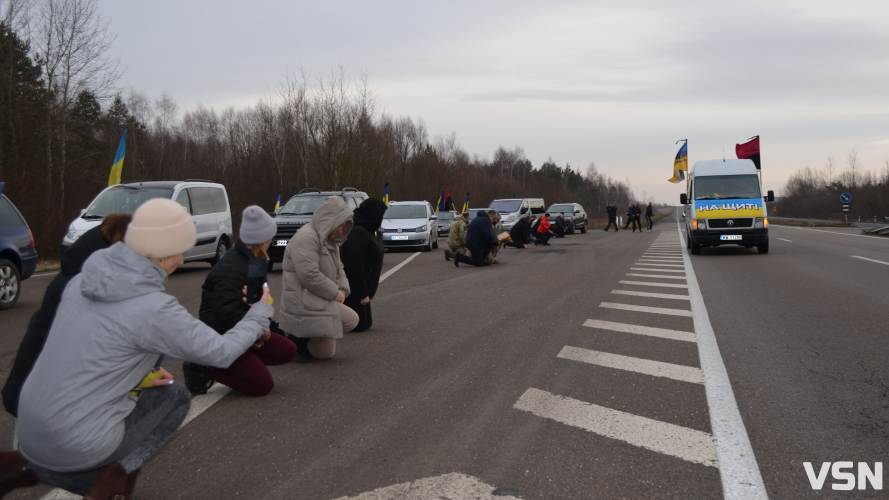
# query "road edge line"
(399, 266)
(738, 470)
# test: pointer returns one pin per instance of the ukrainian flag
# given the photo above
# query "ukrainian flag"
(680, 164)
(117, 167)
(278, 203)
(386, 194)
(465, 204)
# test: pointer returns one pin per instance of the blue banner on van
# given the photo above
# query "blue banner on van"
(726, 209)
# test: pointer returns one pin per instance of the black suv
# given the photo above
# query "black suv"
(18, 258)
(298, 212)
(575, 216)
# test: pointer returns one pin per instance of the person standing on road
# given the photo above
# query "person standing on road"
(223, 306)
(362, 256)
(519, 233)
(111, 231)
(97, 404)
(479, 240)
(457, 237)
(560, 228)
(611, 210)
(315, 284)
(649, 213)
(543, 233)
(633, 213)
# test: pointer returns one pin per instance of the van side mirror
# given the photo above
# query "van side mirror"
(577, 211)
(82, 211)
(273, 214)
(683, 199)
(434, 217)
(771, 196)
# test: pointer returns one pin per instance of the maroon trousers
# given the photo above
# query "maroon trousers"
(249, 375)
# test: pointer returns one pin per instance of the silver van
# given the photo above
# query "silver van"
(511, 210)
(205, 201)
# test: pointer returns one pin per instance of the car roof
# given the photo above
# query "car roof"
(408, 202)
(724, 167)
(166, 184)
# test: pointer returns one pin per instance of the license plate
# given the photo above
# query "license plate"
(281, 243)
(729, 237)
(399, 237)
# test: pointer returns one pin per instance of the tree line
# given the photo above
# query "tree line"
(815, 192)
(62, 115)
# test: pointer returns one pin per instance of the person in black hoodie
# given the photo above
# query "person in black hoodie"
(479, 240)
(111, 231)
(223, 305)
(649, 213)
(560, 227)
(362, 257)
(520, 233)
(611, 210)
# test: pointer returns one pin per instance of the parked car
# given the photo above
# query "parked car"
(445, 220)
(298, 211)
(205, 201)
(575, 216)
(410, 224)
(18, 257)
(473, 212)
(511, 210)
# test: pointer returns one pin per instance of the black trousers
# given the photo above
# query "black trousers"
(365, 319)
(478, 256)
(611, 220)
(559, 232)
(515, 244)
(542, 238)
(650, 223)
(634, 220)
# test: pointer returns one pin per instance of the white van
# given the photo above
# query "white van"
(725, 206)
(511, 210)
(206, 201)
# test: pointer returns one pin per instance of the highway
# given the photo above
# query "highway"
(607, 365)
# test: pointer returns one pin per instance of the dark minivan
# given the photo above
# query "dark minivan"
(18, 257)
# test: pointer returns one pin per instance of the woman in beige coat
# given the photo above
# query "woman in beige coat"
(315, 284)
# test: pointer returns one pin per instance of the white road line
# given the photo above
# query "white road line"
(662, 333)
(656, 276)
(652, 295)
(647, 309)
(660, 259)
(37, 275)
(647, 283)
(871, 260)
(454, 485)
(659, 265)
(399, 266)
(664, 252)
(741, 479)
(833, 232)
(669, 439)
(656, 270)
(637, 365)
(782, 239)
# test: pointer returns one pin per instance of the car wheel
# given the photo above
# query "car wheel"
(571, 229)
(10, 284)
(221, 248)
(763, 247)
(583, 229)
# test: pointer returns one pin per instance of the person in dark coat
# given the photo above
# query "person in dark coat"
(611, 210)
(479, 240)
(560, 227)
(649, 213)
(519, 234)
(111, 231)
(223, 305)
(362, 257)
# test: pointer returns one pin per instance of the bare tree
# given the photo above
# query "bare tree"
(854, 165)
(830, 169)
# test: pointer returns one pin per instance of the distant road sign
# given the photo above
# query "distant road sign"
(845, 197)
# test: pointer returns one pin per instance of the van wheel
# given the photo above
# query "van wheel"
(10, 284)
(763, 247)
(221, 248)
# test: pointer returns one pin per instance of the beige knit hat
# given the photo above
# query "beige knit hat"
(160, 228)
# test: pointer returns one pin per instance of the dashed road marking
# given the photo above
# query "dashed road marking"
(652, 295)
(656, 276)
(871, 260)
(630, 364)
(782, 239)
(657, 270)
(640, 330)
(452, 485)
(648, 283)
(661, 437)
(659, 265)
(647, 309)
(399, 266)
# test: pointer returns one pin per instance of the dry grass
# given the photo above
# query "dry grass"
(48, 265)
(801, 223)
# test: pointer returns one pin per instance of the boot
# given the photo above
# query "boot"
(197, 380)
(448, 255)
(13, 473)
(303, 355)
(111, 485)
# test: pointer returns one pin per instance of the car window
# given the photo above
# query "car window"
(354, 203)
(219, 202)
(183, 200)
(8, 215)
(124, 200)
(537, 207)
(302, 205)
(405, 212)
(201, 200)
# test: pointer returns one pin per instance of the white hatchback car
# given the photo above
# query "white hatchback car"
(205, 201)
(410, 224)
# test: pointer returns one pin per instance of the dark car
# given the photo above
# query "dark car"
(445, 219)
(18, 258)
(575, 216)
(298, 211)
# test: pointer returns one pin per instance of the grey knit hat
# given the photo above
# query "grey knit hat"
(257, 226)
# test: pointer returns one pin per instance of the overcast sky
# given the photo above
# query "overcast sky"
(615, 83)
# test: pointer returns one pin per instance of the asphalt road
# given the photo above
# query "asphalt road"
(491, 373)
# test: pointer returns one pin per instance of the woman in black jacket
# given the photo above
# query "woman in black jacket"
(519, 234)
(362, 257)
(111, 231)
(223, 305)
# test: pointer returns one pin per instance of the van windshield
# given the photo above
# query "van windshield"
(506, 206)
(123, 200)
(727, 187)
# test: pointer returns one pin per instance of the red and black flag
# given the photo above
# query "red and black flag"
(447, 201)
(749, 150)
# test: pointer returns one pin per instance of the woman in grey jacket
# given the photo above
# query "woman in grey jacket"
(97, 404)
(315, 285)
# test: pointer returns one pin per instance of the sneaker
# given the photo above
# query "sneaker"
(197, 380)
(303, 355)
(448, 255)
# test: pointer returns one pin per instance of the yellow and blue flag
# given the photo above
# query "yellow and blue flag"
(680, 164)
(278, 203)
(465, 204)
(386, 194)
(441, 201)
(117, 166)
